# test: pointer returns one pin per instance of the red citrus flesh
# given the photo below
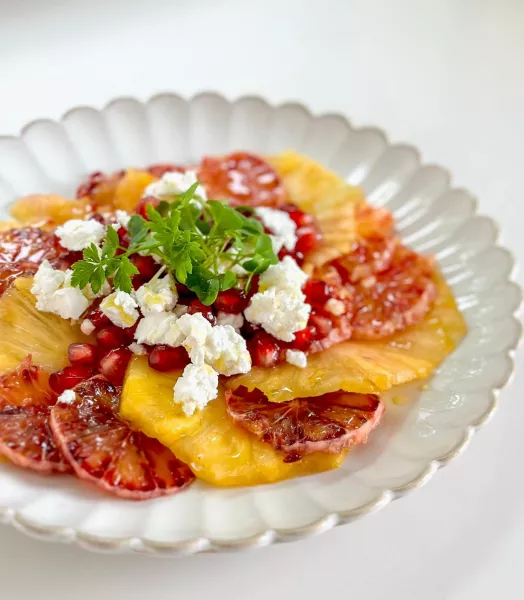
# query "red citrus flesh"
(22, 251)
(103, 449)
(329, 423)
(25, 435)
(242, 178)
(394, 299)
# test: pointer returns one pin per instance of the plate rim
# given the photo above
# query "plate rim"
(204, 544)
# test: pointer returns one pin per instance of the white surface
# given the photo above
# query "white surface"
(438, 75)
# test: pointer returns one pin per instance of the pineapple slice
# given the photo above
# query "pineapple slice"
(47, 209)
(319, 191)
(130, 188)
(216, 450)
(24, 330)
(367, 367)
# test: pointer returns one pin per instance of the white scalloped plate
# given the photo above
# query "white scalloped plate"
(414, 440)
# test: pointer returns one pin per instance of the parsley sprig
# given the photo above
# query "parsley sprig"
(199, 242)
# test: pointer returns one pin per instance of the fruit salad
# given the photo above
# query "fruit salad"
(235, 321)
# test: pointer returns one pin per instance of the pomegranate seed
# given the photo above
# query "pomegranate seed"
(254, 286)
(68, 377)
(98, 218)
(141, 207)
(300, 218)
(317, 292)
(81, 354)
(308, 239)
(195, 306)
(111, 337)
(264, 350)
(167, 358)
(231, 301)
(146, 266)
(114, 364)
(88, 186)
(96, 316)
(182, 290)
(249, 329)
(304, 338)
(322, 324)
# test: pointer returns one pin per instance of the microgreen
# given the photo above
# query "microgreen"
(199, 242)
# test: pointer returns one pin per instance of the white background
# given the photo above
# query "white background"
(445, 75)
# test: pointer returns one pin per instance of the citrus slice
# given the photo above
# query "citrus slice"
(242, 178)
(25, 330)
(217, 450)
(48, 209)
(367, 367)
(319, 191)
(104, 450)
(392, 300)
(329, 423)
(22, 250)
(25, 436)
(130, 189)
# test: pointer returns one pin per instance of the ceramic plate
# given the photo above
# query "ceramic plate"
(419, 434)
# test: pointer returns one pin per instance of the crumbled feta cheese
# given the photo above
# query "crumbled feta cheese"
(180, 309)
(335, 307)
(173, 183)
(285, 275)
(297, 358)
(158, 295)
(197, 386)
(47, 280)
(280, 312)
(122, 218)
(66, 397)
(78, 234)
(87, 327)
(158, 328)
(54, 293)
(120, 308)
(137, 349)
(236, 321)
(194, 331)
(67, 302)
(281, 225)
(224, 350)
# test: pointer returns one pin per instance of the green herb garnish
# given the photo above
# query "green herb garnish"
(198, 242)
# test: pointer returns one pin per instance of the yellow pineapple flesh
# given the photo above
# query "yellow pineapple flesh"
(319, 191)
(367, 367)
(215, 449)
(25, 330)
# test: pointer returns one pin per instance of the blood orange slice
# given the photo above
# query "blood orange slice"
(22, 250)
(242, 178)
(329, 423)
(102, 448)
(25, 436)
(393, 300)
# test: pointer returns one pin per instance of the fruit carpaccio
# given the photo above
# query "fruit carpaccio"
(381, 316)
